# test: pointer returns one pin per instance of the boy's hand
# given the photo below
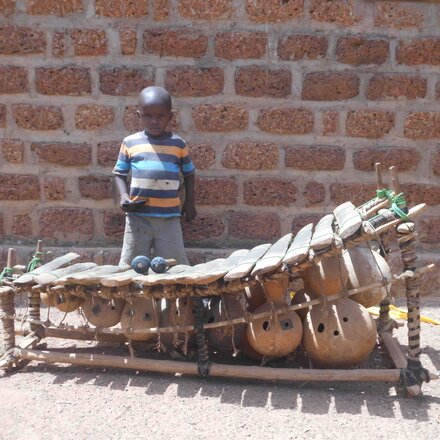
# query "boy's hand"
(189, 210)
(124, 199)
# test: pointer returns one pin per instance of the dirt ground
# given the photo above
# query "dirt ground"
(62, 402)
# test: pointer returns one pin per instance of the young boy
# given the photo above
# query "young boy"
(151, 201)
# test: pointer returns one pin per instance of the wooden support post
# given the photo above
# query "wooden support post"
(7, 312)
(216, 370)
(34, 299)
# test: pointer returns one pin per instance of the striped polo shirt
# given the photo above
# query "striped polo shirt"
(155, 163)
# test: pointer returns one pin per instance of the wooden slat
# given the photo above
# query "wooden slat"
(299, 249)
(247, 263)
(56, 263)
(187, 276)
(47, 278)
(119, 279)
(89, 277)
(160, 278)
(221, 270)
(348, 219)
(323, 235)
(273, 257)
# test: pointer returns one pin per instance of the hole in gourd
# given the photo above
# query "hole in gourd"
(321, 327)
(147, 317)
(336, 333)
(345, 319)
(266, 326)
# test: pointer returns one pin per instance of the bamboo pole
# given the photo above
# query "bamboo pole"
(80, 333)
(216, 370)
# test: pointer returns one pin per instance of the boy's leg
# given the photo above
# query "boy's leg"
(138, 237)
(168, 239)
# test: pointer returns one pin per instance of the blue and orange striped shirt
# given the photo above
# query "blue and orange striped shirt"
(155, 164)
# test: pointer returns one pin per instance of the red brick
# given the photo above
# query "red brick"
(66, 224)
(416, 193)
(131, 119)
(22, 225)
(333, 11)
(175, 42)
(96, 187)
(220, 117)
(356, 193)
(314, 193)
(422, 125)
(37, 117)
(59, 44)
(429, 230)
(128, 38)
(202, 10)
(203, 227)
(54, 7)
(435, 162)
(315, 158)
(272, 11)
(107, 153)
(194, 81)
(13, 79)
(63, 81)
(250, 156)
(122, 8)
(235, 45)
(260, 81)
(323, 86)
(122, 81)
(66, 154)
(215, 191)
(202, 155)
(372, 124)
(114, 225)
(7, 7)
(16, 40)
(359, 50)
(420, 51)
(330, 122)
(54, 188)
(395, 15)
(161, 9)
(269, 192)
(88, 42)
(19, 187)
(396, 86)
(299, 47)
(301, 220)
(254, 225)
(286, 120)
(404, 159)
(92, 117)
(2, 116)
(13, 150)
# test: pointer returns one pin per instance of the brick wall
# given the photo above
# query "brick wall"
(286, 105)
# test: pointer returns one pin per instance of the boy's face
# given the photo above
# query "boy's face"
(155, 118)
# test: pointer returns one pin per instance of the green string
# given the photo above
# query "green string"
(6, 272)
(36, 261)
(384, 193)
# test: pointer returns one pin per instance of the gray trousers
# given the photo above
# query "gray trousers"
(142, 233)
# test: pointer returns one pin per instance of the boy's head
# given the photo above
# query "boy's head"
(154, 109)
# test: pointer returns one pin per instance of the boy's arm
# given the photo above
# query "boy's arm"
(122, 189)
(188, 207)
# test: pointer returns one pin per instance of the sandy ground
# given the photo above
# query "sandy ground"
(62, 402)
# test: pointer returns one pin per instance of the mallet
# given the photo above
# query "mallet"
(141, 264)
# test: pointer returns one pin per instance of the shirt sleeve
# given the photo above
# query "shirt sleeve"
(123, 165)
(186, 163)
